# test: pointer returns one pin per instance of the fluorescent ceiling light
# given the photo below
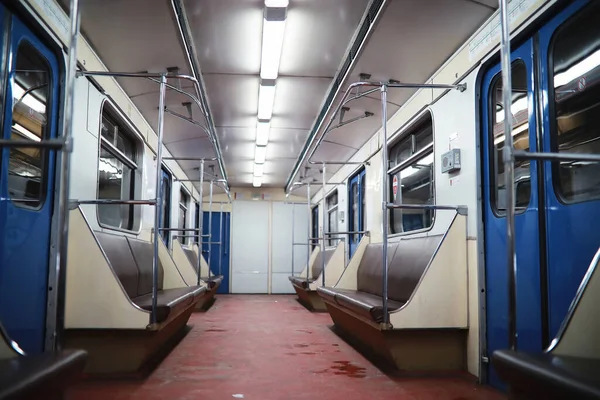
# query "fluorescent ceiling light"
(272, 43)
(21, 130)
(266, 97)
(417, 166)
(576, 71)
(277, 3)
(260, 154)
(257, 181)
(262, 133)
(258, 169)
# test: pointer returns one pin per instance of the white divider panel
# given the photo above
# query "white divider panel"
(250, 247)
(283, 218)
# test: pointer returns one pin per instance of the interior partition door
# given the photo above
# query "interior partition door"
(250, 247)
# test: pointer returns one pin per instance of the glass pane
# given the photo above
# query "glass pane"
(520, 115)
(108, 129)
(576, 60)
(355, 199)
(31, 91)
(114, 182)
(166, 204)
(415, 187)
(364, 203)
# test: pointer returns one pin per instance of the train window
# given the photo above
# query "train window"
(412, 177)
(31, 91)
(520, 114)
(116, 172)
(165, 215)
(332, 216)
(576, 110)
(184, 200)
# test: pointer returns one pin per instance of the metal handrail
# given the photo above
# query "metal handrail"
(461, 210)
(149, 202)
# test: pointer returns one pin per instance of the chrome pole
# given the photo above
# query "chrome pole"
(293, 229)
(384, 199)
(159, 195)
(309, 247)
(323, 220)
(210, 226)
(221, 240)
(509, 175)
(200, 218)
(64, 178)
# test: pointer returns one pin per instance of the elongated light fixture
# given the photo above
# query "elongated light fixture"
(262, 132)
(260, 154)
(272, 40)
(258, 169)
(257, 181)
(266, 97)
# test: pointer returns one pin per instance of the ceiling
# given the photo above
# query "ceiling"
(412, 39)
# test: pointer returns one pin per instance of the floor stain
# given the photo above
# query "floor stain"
(347, 369)
(304, 330)
(301, 345)
(216, 330)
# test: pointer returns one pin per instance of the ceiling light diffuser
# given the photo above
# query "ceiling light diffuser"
(277, 3)
(266, 97)
(259, 169)
(272, 44)
(262, 132)
(257, 181)
(260, 154)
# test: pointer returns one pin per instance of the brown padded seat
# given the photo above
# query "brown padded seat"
(315, 270)
(408, 260)
(131, 260)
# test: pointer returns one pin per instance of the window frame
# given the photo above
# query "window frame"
(330, 210)
(115, 115)
(185, 206)
(409, 132)
(45, 159)
(314, 216)
(551, 115)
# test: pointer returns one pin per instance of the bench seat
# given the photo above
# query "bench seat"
(170, 300)
(364, 304)
(547, 376)
(301, 282)
(41, 376)
(213, 282)
(315, 271)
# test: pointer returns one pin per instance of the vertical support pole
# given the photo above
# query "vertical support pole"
(323, 220)
(293, 228)
(159, 195)
(384, 200)
(210, 238)
(64, 178)
(221, 241)
(200, 220)
(509, 175)
(310, 222)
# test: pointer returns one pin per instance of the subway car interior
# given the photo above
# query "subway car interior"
(296, 199)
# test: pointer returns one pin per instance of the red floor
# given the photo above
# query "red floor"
(270, 347)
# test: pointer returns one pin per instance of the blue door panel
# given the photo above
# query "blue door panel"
(220, 233)
(527, 240)
(25, 242)
(573, 237)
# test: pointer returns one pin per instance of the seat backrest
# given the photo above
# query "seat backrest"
(410, 260)
(317, 267)
(191, 256)
(143, 253)
(121, 260)
(370, 269)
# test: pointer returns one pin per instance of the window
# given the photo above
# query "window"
(315, 225)
(30, 91)
(332, 217)
(576, 111)
(184, 200)
(165, 217)
(116, 172)
(411, 164)
(520, 115)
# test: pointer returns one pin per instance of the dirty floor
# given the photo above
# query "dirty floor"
(270, 347)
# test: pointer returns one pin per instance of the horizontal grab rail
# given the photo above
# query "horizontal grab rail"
(347, 233)
(526, 155)
(114, 202)
(462, 210)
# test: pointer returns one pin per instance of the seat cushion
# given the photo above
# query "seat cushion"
(40, 376)
(327, 293)
(365, 304)
(212, 282)
(301, 282)
(546, 376)
(169, 301)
